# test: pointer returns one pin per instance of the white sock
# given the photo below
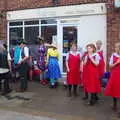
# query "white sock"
(65, 83)
(53, 83)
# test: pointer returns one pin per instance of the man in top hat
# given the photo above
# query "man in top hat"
(23, 65)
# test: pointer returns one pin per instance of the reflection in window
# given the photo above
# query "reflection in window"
(15, 34)
(69, 36)
(15, 23)
(32, 22)
(48, 33)
(49, 21)
(31, 34)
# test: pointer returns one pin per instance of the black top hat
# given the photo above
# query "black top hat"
(18, 42)
(23, 41)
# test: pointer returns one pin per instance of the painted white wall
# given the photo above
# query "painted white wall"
(91, 29)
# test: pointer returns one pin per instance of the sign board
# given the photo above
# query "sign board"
(117, 3)
(54, 12)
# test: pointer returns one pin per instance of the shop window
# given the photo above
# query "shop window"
(15, 23)
(49, 21)
(49, 33)
(15, 34)
(31, 34)
(34, 22)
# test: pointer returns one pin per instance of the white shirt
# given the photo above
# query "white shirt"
(97, 57)
(26, 53)
(73, 53)
(111, 58)
(101, 50)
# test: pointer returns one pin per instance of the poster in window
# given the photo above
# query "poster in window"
(54, 39)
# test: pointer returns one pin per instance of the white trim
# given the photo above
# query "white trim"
(31, 25)
(8, 29)
(23, 30)
(15, 26)
(39, 27)
(61, 11)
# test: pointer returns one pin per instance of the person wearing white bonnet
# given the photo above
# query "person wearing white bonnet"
(53, 45)
(53, 67)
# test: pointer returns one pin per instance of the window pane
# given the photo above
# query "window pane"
(15, 34)
(50, 21)
(31, 34)
(48, 33)
(15, 23)
(32, 22)
(69, 36)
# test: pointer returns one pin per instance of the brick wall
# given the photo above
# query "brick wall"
(113, 15)
(23, 4)
(113, 26)
(3, 27)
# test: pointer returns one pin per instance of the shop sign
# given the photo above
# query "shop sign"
(61, 11)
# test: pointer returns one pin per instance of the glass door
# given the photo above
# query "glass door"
(70, 35)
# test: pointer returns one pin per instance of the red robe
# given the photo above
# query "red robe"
(113, 86)
(101, 64)
(73, 76)
(91, 80)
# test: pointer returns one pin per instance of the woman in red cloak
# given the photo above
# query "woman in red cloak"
(113, 86)
(91, 80)
(73, 61)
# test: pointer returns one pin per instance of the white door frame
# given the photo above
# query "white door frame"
(60, 46)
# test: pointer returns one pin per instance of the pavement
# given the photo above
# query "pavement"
(44, 103)
(8, 115)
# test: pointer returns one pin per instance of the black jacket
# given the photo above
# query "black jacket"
(4, 59)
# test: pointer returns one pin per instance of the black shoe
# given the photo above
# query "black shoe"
(85, 98)
(96, 97)
(91, 103)
(118, 114)
(52, 86)
(69, 94)
(65, 87)
(114, 108)
(56, 84)
(75, 94)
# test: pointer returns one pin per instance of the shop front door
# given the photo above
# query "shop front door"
(69, 35)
